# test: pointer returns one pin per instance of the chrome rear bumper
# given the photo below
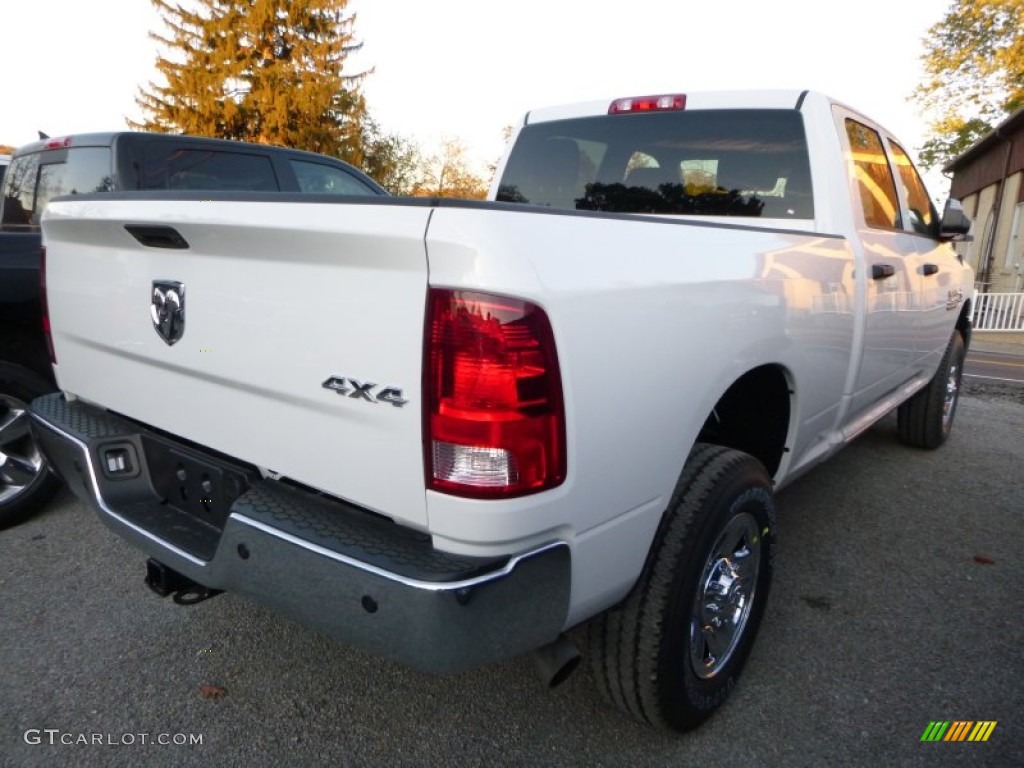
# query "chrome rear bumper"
(327, 564)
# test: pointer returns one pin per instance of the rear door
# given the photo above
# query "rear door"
(934, 266)
(889, 336)
(301, 335)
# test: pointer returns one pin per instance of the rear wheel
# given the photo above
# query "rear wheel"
(673, 651)
(26, 482)
(926, 419)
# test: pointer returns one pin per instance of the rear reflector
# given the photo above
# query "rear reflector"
(664, 103)
(494, 420)
(45, 305)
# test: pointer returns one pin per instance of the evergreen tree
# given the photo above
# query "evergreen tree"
(269, 71)
(974, 65)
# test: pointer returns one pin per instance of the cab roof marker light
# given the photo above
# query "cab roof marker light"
(58, 143)
(668, 102)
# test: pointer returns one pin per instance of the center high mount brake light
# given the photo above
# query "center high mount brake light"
(59, 143)
(671, 102)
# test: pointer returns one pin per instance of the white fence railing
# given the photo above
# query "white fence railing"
(998, 312)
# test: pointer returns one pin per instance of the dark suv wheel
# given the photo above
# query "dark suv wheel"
(26, 482)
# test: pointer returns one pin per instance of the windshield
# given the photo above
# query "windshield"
(699, 163)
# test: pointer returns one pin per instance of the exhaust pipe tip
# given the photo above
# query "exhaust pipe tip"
(556, 661)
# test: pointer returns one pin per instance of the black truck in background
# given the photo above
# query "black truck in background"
(108, 162)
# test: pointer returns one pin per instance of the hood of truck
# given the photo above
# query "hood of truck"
(290, 338)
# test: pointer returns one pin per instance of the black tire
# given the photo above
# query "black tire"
(926, 419)
(650, 656)
(26, 482)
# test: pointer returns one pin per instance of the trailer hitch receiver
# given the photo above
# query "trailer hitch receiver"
(165, 581)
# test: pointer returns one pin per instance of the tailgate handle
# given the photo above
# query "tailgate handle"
(157, 236)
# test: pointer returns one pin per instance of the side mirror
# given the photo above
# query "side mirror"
(955, 224)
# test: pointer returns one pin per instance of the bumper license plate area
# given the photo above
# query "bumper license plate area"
(200, 487)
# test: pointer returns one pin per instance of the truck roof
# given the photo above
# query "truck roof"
(107, 139)
(79, 139)
(761, 99)
(699, 100)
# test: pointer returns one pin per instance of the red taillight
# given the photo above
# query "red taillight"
(665, 103)
(44, 305)
(494, 419)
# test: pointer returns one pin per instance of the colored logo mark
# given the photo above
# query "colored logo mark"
(959, 730)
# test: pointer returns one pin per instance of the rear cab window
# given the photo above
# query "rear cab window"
(751, 163)
(35, 178)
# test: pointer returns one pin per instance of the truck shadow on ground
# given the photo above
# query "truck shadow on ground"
(875, 582)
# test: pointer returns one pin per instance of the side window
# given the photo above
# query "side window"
(327, 180)
(20, 190)
(205, 169)
(874, 177)
(591, 156)
(640, 160)
(700, 176)
(644, 170)
(922, 214)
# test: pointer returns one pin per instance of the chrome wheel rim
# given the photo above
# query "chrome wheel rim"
(952, 391)
(20, 460)
(725, 596)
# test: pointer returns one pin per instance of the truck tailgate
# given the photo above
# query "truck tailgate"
(277, 302)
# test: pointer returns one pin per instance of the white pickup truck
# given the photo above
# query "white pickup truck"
(450, 431)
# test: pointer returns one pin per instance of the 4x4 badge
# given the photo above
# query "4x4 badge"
(167, 309)
(358, 390)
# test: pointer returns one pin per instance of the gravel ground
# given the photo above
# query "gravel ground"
(897, 601)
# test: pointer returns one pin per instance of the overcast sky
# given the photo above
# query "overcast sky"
(467, 68)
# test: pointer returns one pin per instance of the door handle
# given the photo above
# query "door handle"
(930, 269)
(882, 271)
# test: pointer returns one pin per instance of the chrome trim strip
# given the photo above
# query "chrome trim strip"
(98, 498)
(430, 586)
